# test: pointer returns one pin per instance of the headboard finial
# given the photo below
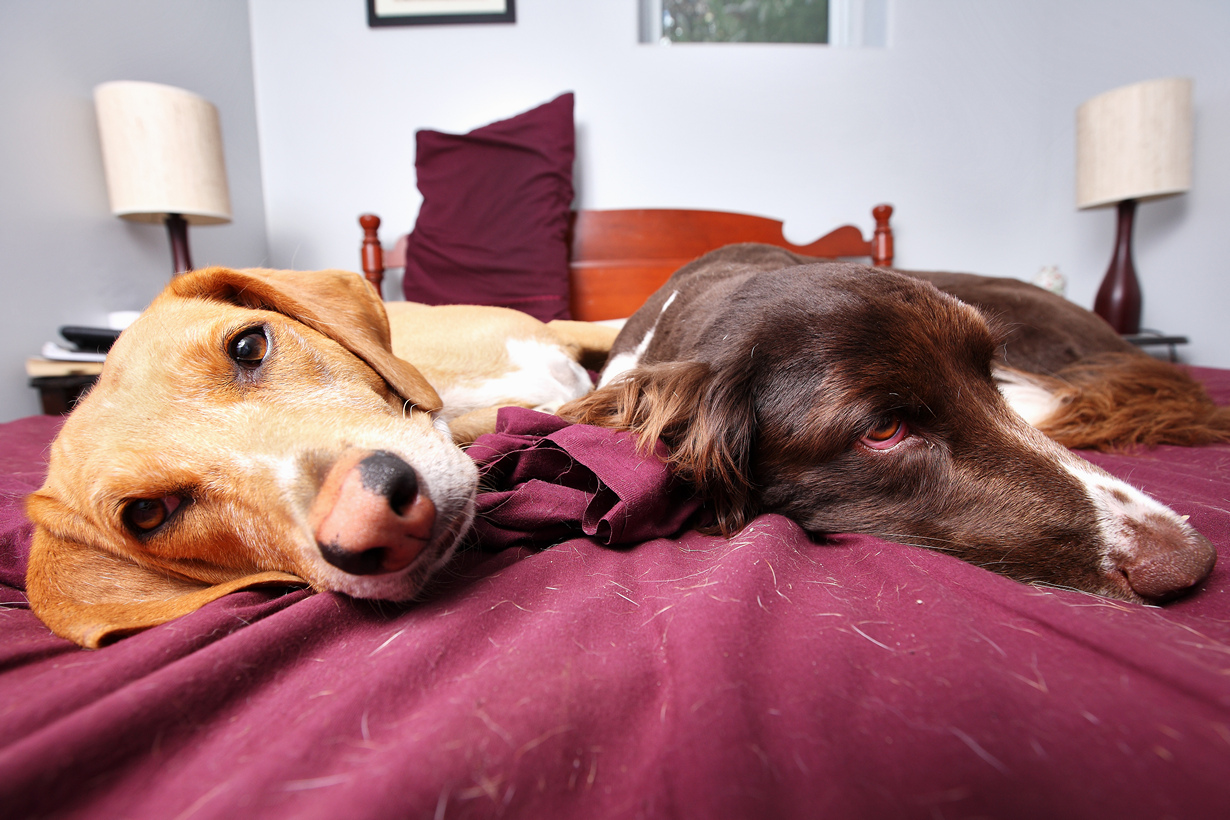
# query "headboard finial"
(882, 239)
(373, 251)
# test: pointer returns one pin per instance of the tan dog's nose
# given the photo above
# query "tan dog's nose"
(372, 519)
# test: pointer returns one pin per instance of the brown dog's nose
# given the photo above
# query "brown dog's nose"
(372, 518)
(1167, 560)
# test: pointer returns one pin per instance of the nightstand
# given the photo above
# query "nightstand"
(1154, 338)
(61, 384)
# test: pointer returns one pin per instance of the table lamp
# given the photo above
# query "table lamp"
(1132, 143)
(162, 154)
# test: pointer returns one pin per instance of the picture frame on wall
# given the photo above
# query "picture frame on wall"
(439, 12)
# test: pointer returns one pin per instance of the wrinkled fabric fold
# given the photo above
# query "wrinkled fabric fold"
(546, 480)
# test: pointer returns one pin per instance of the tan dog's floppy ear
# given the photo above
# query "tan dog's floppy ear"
(339, 304)
(91, 596)
(707, 423)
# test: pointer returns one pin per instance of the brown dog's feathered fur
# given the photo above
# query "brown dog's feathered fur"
(710, 440)
(1114, 401)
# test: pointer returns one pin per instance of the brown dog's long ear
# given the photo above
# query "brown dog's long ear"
(707, 425)
(91, 597)
(339, 304)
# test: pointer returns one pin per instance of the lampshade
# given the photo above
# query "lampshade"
(1134, 142)
(162, 153)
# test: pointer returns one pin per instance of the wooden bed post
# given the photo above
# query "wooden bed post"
(882, 239)
(373, 252)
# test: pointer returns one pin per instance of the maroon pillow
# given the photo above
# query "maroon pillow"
(493, 226)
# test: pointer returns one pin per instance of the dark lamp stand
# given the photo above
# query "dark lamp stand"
(177, 230)
(1118, 299)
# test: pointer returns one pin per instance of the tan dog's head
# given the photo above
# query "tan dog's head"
(251, 427)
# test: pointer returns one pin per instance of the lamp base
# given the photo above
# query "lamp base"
(1118, 299)
(177, 231)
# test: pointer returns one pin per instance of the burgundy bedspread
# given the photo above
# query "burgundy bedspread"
(684, 676)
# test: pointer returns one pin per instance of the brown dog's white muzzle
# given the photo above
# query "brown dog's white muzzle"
(371, 518)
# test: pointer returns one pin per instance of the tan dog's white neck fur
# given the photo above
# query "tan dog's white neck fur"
(255, 427)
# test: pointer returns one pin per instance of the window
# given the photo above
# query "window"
(745, 21)
(835, 22)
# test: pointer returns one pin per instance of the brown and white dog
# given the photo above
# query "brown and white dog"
(266, 427)
(854, 399)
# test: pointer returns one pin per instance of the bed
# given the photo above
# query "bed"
(592, 655)
(617, 257)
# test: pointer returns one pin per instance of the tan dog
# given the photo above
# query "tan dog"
(264, 427)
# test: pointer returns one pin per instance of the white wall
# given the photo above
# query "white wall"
(64, 259)
(964, 123)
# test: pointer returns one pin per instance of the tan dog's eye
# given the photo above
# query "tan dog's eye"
(249, 348)
(142, 515)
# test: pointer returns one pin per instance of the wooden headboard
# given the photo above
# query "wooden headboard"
(617, 258)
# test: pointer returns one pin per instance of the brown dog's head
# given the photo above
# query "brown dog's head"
(251, 427)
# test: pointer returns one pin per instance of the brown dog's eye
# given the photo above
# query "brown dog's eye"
(142, 515)
(249, 348)
(885, 433)
(885, 429)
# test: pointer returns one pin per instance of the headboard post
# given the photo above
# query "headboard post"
(882, 239)
(373, 252)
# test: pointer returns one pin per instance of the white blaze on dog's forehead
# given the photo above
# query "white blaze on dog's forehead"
(540, 375)
(271, 440)
(283, 469)
(621, 363)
